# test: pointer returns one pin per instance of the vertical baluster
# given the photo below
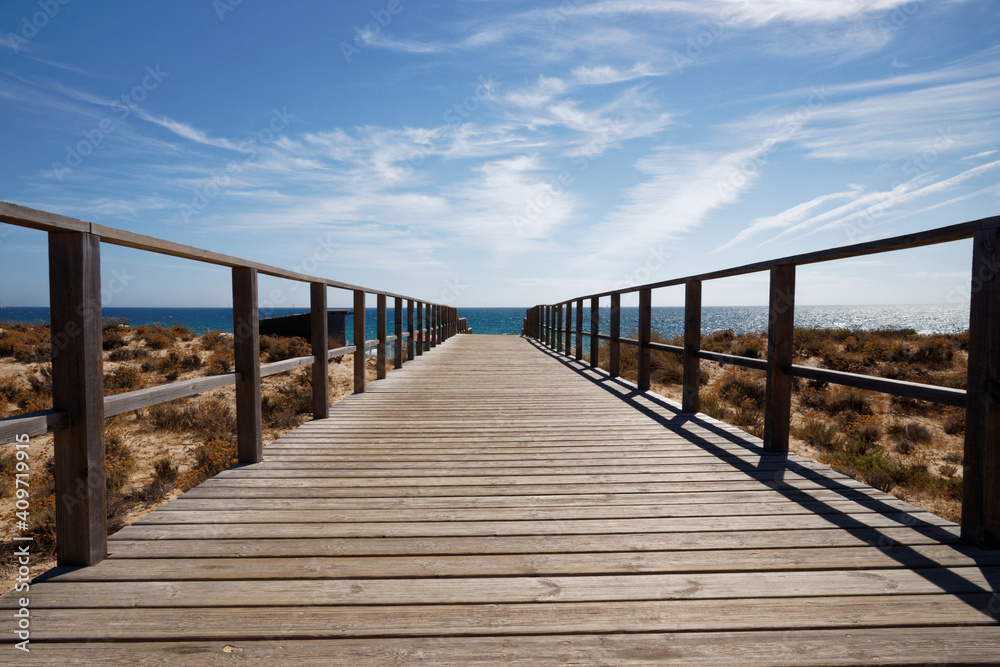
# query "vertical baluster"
(690, 400)
(359, 341)
(320, 347)
(614, 353)
(397, 311)
(427, 327)
(579, 329)
(645, 330)
(411, 347)
(78, 389)
(780, 347)
(981, 482)
(380, 324)
(246, 353)
(595, 328)
(568, 332)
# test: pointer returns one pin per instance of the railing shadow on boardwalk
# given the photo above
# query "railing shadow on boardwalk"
(780, 463)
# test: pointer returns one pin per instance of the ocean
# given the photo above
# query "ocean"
(669, 321)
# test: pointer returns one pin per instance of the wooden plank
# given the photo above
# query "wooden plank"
(78, 390)
(32, 424)
(359, 341)
(939, 646)
(532, 564)
(947, 234)
(759, 591)
(780, 349)
(342, 351)
(246, 353)
(893, 541)
(981, 487)
(914, 390)
(285, 365)
(143, 398)
(320, 344)
(692, 345)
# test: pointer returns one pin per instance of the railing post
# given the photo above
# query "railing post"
(780, 348)
(981, 482)
(595, 330)
(427, 328)
(418, 339)
(78, 388)
(380, 350)
(397, 312)
(432, 323)
(614, 358)
(690, 401)
(568, 333)
(359, 341)
(645, 329)
(548, 326)
(579, 329)
(246, 355)
(320, 347)
(411, 347)
(558, 328)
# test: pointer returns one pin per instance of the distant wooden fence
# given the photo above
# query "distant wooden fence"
(553, 324)
(79, 406)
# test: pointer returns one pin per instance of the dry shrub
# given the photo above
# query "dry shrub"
(119, 462)
(112, 339)
(163, 480)
(282, 409)
(127, 354)
(739, 386)
(819, 433)
(911, 431)
(278, 348)
(219, 362)
(210, 419)
(865, 428)
(175, 363)
(125, 378)
(211, 458)
(837, 400)
(948, 471)
(954, 422)
(7, 463)
(26, 343)
(216, 341)
(712, 405)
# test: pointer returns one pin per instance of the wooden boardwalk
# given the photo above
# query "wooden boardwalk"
(495, 503)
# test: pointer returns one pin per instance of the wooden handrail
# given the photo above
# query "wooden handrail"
(981, 488)
(79, 406)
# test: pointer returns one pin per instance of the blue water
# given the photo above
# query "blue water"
(668, 321)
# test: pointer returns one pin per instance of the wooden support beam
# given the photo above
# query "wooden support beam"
(419, 344)
(690, 401)
(320, 348)
(579, 329)
(380, 350)
(246, 353)
(411, 347)
(397, 311)
(780, 348)
(645, 332)
(359, 341)
(981, 478)
(568, 331)
(427, 328)
(595, 326)
(78, 390)
(614, 360)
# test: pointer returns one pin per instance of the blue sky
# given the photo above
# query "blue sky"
(502, 153)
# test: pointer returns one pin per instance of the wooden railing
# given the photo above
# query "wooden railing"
(79, 406)
(552, 324)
